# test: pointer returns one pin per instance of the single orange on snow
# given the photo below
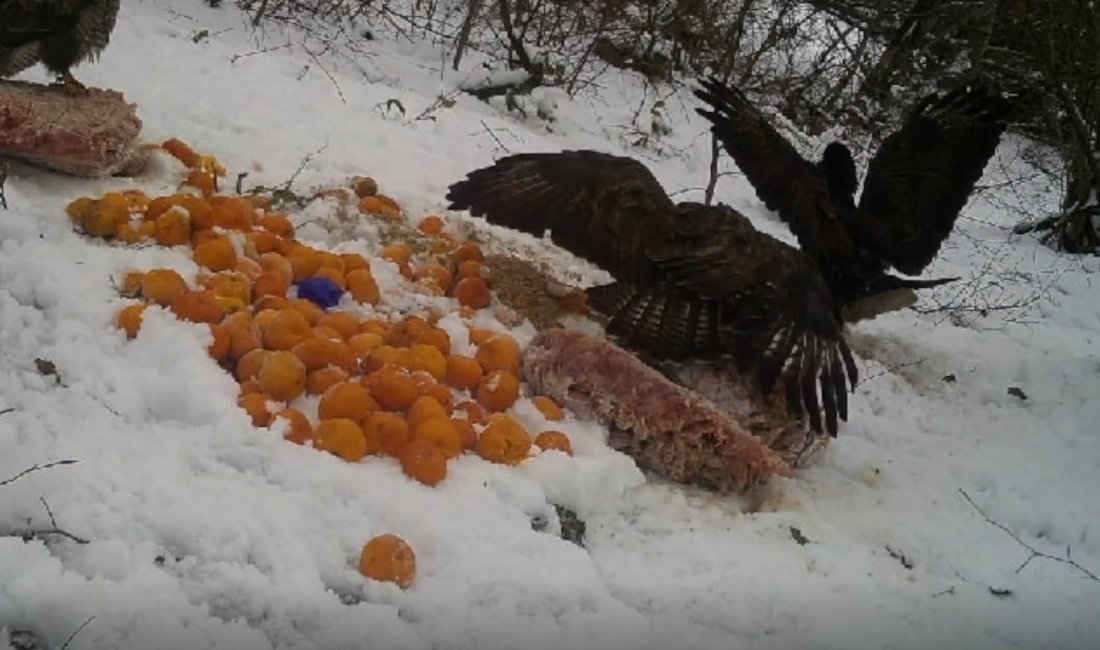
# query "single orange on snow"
(554, 440)
(256, 405)
(436, 272)
(300, 430)
(362, 344)
(305, 261)
(388, 558)
(498, 390)
(386, 432)
(427, 358)
(344, 323)
(466, 432)
(365, 186)
(363, 287)
(315, 352)
(270, 283)
(479, 335)
(548, 407)
(341, 437)
(234, 213)
(216, 254)
(282, 376)
(244, 336)
(181, 151)
(333, 275)
(437, 338)
(473, 292)
(406, 331)
(320, 380)
(129, 319)
(424, 461)
(439, 392)
(393, 388)
(162, 285)
(173, 228)
(286, 330)
(349, 400)
(499, 352)
(441, 433)
(219, 346)
(278, 224)
(471, 269)
(381, 356)
(196, 307)
(250, 363)
(463, 372)
(396, 253)
(469, 411)
(431, 225)
(423, 409)
(467, 251)
(504, 441)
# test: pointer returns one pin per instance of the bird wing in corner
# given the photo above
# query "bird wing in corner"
(922, 175)
(690, 281)
(24, 21)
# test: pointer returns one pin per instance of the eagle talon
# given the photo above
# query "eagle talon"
(68, 84)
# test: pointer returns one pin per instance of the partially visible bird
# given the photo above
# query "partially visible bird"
(692, 281)
(917, 184)
(57, 33)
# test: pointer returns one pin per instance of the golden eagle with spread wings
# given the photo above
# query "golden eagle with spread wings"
(699, 282)
(917, 184)
(692, 281)
(57, 33)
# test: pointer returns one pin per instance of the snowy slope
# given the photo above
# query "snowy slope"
(208, 534)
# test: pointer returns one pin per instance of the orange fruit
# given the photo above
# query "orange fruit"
(388, 558)
(341, 437)
(424, 461)
(554, 440)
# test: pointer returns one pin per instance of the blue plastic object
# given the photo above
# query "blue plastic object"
(320, 291)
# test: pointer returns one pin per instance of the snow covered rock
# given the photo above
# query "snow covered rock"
(86, 135)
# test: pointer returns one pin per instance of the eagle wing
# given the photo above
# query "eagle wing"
(786, 183)
(923, 174)
(24, 21)
(690, 283)
(594, 204)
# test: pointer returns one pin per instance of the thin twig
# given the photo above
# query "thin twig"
(57, 529)
(72, 636)
(332, 79)
(1068, 560)
(494, 137)
(35, 468)
(38, 533)
(302, 165)
(267, 50)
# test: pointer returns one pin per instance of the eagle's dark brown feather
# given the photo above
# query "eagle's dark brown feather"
(921, 177)
(783, 180)
(917, 183)
(692, 281)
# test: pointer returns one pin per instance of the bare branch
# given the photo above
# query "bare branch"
(36, 468)
(1034, 553)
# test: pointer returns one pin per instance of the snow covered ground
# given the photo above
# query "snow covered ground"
(205, 533)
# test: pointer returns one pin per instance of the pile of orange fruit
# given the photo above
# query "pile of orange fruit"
(386, 383)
